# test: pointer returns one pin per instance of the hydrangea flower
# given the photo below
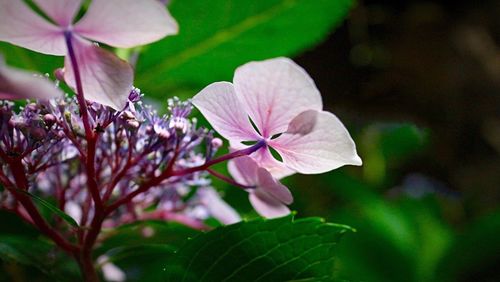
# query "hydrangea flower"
(285, 107)
(18, 84)
(119, 23)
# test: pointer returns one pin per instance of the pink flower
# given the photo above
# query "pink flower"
(269, 197)
(18, 84)
(119, 23)
(285, 106)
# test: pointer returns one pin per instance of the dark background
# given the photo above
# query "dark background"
(433, 67)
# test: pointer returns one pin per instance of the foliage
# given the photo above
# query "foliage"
(273, 250)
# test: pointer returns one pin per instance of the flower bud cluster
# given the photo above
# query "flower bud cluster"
(134, 147)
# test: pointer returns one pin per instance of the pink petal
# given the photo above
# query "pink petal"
(274, 188)
(126, 23)
(244, 170)
(269, 196)
(325, 147)
(17, 84)
(220, 106)
(62, 12)
(274, 92)
(265, 159)
(217, 208)
(268, 206)
(20, 26)
(106, 79)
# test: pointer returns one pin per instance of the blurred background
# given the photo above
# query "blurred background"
(417, 83)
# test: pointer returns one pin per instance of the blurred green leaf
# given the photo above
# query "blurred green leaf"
(146, 232)
(387, 145)
(398, 238)
(261, 250)
(39, 254)
(217, 36)
(51, 208)
(145, 262)
(475, 253)
(26, 59)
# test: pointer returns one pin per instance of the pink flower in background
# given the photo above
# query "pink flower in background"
(119, 23)
(217, 208)
(282, 101)
(18, 84)
(269, 197)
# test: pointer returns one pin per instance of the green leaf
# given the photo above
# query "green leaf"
(262, 250)
(39, 254)
(217, 36)
(52, 208)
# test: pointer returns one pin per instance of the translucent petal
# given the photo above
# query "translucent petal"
(61, 11)
(219, 105)
(126, 23)
(21, 26)
(106, 79)
(274, 92)
(327, 145)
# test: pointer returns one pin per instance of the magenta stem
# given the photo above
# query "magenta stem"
(220, 159)
(228, 179)
(79, 86)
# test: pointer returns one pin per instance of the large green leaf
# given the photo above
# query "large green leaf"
(217, 36)
(262, 250)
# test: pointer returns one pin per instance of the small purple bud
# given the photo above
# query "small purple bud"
(164, 134)
(135, 95)
(59, 74)
(128, 115)
(132, 124)
(31, 107)
(149, 130)
(12, 123)
(216, 143)
(38, 133)
(49, 119)
(180, 124)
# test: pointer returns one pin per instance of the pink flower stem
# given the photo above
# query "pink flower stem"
(84, 257)
(228, 179)
(220, 159)
(79, 87)
(22, 184)
(169, 173)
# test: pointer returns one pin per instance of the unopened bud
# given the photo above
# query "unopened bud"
(37, 133)
(164, 134)
(180, 124)
(59, 74)
(128, 115)
(31, 107)
(133, 123)
(49, 119)
(135, 95)
(216, 143)
(149, 130)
